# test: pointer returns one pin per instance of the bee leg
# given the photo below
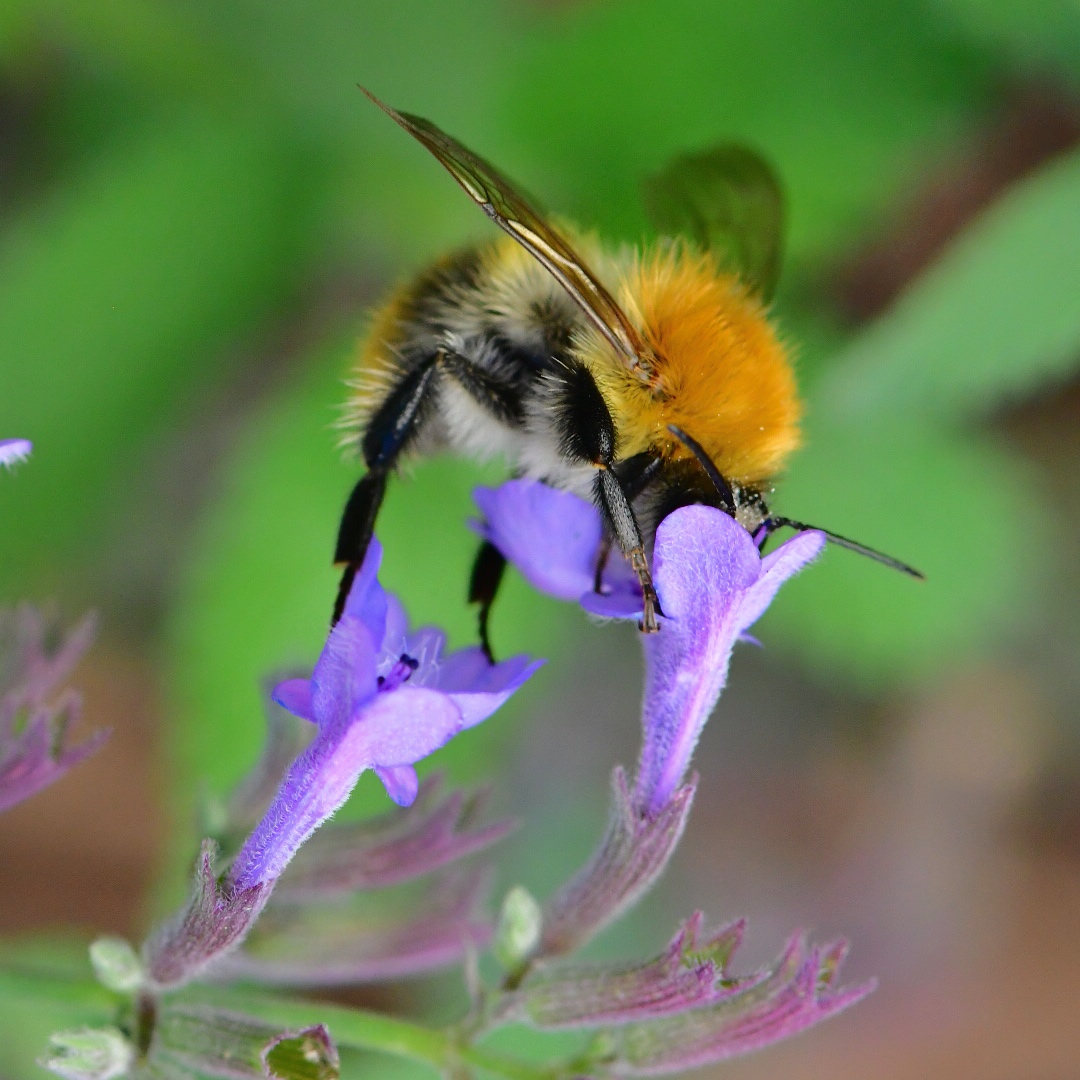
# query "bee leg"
(487, 574)
(602, 561)
(355, 532)
(390, 431)
(616, 509)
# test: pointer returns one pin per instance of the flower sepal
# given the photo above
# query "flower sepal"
(632, 855)
(691, 972)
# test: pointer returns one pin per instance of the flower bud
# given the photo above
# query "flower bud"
(116, 965)
(89, 1054)
(520, 923)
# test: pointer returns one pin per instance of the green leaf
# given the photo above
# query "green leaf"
(1041, 35)
(996, 318)
(116, 297)
(956, 506)
(844, 99)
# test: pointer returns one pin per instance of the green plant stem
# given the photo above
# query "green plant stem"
(358, 1029)
(68, 991)
(363, 1030)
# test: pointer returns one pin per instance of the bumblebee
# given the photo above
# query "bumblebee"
(642, 378)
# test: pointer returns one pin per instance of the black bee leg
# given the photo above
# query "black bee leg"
(619, 515)
(389, 432)
(588, 434)
(355, 532)
(602, 561)
(487, 575)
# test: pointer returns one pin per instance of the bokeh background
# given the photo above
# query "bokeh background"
(198, 209)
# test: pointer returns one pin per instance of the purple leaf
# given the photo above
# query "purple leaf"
(688, 974)
(323, 945)
(400, 847)
(796, 993)
(33, 726)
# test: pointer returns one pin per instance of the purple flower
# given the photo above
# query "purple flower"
(34, 725)
(713, 585)
(797, 993)
(382, 698)
(14, 450)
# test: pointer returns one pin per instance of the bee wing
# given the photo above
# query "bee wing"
(728, 200)
(511, 211)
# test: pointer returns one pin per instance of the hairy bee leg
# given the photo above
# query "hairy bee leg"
(602, 561)
(355, 532)
(394, 425)
(619, 515)
(487, 575)
(389, 433)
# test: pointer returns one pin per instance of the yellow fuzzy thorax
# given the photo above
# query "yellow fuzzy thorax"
(720, 373)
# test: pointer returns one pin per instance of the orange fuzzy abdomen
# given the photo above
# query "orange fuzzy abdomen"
(720, 372)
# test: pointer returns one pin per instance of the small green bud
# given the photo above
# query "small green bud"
(518, 933)
(116, 965)
(89, 1054)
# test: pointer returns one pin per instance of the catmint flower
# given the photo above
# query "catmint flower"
(382, 698)
(34, 723)
(713, 585)
(690, 973)
(797, 993)
(14, 450)
(553, 538)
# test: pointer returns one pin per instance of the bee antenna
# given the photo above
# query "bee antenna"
(852, 545)
(723, 488)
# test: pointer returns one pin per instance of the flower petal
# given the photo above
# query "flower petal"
(14, 450)
(704, 563)
(401, 783)
(367, 598)
(479, 688)
(406, 725)
(621, 595)
(346, 673)
(786, 561)
(295, 695)
(551, 536)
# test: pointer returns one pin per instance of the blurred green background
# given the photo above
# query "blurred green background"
(197, 210)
